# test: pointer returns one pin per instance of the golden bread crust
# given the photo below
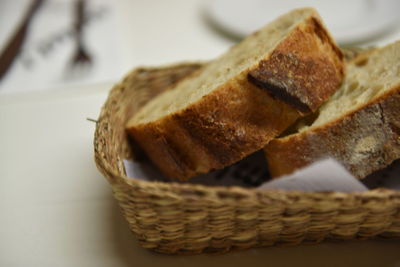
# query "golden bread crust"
(364, 140)
(209, 135)
(240, 117)
(304, 70)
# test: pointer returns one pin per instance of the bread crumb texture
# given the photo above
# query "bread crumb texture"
(358, 125)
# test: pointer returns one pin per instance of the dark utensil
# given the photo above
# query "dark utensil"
(14, 46)
(81, 55)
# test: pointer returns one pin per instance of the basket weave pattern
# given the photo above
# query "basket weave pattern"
(189, 219)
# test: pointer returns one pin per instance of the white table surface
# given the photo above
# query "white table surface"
(56, 209)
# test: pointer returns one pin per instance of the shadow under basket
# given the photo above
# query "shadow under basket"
(176, 218)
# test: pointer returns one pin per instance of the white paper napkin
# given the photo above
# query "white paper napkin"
(326, 175)
(323, 176)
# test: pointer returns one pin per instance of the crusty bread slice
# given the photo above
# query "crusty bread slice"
(237, 103)
(359, 125)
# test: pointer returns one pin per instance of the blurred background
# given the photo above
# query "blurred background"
(59, 44)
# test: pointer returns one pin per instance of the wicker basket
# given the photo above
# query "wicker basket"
(189, 219)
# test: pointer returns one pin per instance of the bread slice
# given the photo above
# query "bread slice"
(237, 103)
(359, 125)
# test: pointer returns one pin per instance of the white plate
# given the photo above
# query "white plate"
(349, 21)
